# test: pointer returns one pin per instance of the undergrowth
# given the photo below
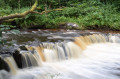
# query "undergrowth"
(90, 14)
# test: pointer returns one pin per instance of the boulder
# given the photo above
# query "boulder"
(3, 64)
(68, 26)
(23, 47)
(72, 25)
(18, 58)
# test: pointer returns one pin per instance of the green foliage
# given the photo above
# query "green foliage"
(2, 28)
(88, 14)
(6, 28)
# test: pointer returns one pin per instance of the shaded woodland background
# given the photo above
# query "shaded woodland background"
(88, 14)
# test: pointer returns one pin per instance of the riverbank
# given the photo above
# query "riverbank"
(90, 14)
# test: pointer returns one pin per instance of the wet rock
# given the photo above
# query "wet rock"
(5, 54)
(23, 48)
(17, 55)
(72, 25)
(3, 64)
(18, 58)
(68, 26)
(6, 49)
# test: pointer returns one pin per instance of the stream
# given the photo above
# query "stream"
(61, 54)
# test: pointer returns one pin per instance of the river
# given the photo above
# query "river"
(63, 54)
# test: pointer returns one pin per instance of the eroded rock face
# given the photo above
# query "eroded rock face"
(18, 58)
(3, 64)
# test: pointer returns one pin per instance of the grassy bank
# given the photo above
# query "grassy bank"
(90, 14)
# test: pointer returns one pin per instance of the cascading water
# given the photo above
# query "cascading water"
(94, 56)
(11, 63)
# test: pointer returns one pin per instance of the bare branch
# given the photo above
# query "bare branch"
(47, 11)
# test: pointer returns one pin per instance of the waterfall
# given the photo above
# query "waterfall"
(11, 63)
(53, 52)
(29, 59)
(84, 54)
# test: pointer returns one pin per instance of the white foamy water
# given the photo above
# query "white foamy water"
(98, 61)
